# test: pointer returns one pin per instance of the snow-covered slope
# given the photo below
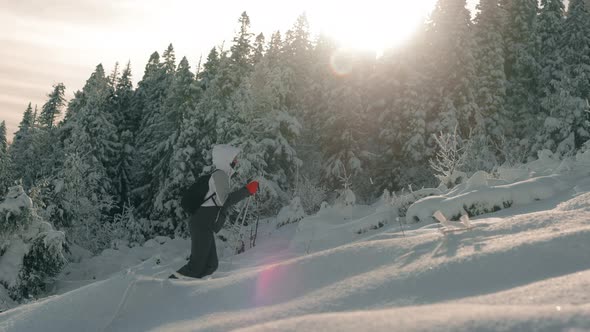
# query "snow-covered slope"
(519, 269)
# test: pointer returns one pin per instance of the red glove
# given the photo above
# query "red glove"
(252, 187)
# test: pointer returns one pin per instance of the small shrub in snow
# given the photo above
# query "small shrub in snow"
(31, 251)
(79, 205)
(291, 214)
(347, 198)
(128, 227)
(42, 262)
(15, 211)
(385, 198)
(450, 157)
(311, 195)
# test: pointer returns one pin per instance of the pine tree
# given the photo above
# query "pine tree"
(23, 150)
(30, 242)
(522, 70)
(489, 52)
(270, 132)
(402, 118)
(453, 66)
(550, 26)
(78, 203)
(567, 125)
(35, 119)
(50, 149)
(297, 60)
(3, 140)
(550, 31)
(321, 82)
(81, 199)
(93, 134)
(209, 69)
(242, 51)
(344, 134)
(114, 77)
(169, 62)
(576, 48)
(53, 107)
(258, 48)
(5, 164)
(274, 49)
(126, 119)
(181, 100)
(152, 134)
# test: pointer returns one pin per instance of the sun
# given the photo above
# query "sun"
(371, 25)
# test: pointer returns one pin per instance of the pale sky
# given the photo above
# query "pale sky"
(43, 42)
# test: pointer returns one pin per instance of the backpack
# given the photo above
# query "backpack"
(194, 196)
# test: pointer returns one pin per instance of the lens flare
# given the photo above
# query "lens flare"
(270, 279)
(341, 62)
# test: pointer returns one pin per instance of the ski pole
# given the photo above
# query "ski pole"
(400, 226)
(243, 222)
(257, 219)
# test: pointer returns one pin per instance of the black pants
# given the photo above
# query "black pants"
(203, 260)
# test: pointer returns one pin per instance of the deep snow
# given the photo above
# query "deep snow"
(523, 268)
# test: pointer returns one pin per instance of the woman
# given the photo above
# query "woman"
(210, 216)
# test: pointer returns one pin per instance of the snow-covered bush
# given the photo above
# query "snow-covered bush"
(450, 157)
(311, 194)
(346, 197)
(402, 201)
(79, 206)
(128, 227)
(291, 213)
(480, 198)
(31, 251)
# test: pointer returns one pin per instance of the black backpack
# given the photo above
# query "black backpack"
(194, 196)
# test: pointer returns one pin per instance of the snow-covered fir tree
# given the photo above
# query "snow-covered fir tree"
(31, 250)
(320, 82)
(241, 52)
(550, 31)
(344, 132)
(453, 68)
(81, 196)
(550, 26)
(5, 164)
(209, 71)
(126, 120)
(181, 100)
(78, 204)
(491, 77)
(47, 136)
(522, 71)
(259, 48)
(92, 132)
(22, 152)
(297, 60)
(566, 126)
(269, 132)
(401, 107)
(153, 132)
(3, 140)
(53, 107)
